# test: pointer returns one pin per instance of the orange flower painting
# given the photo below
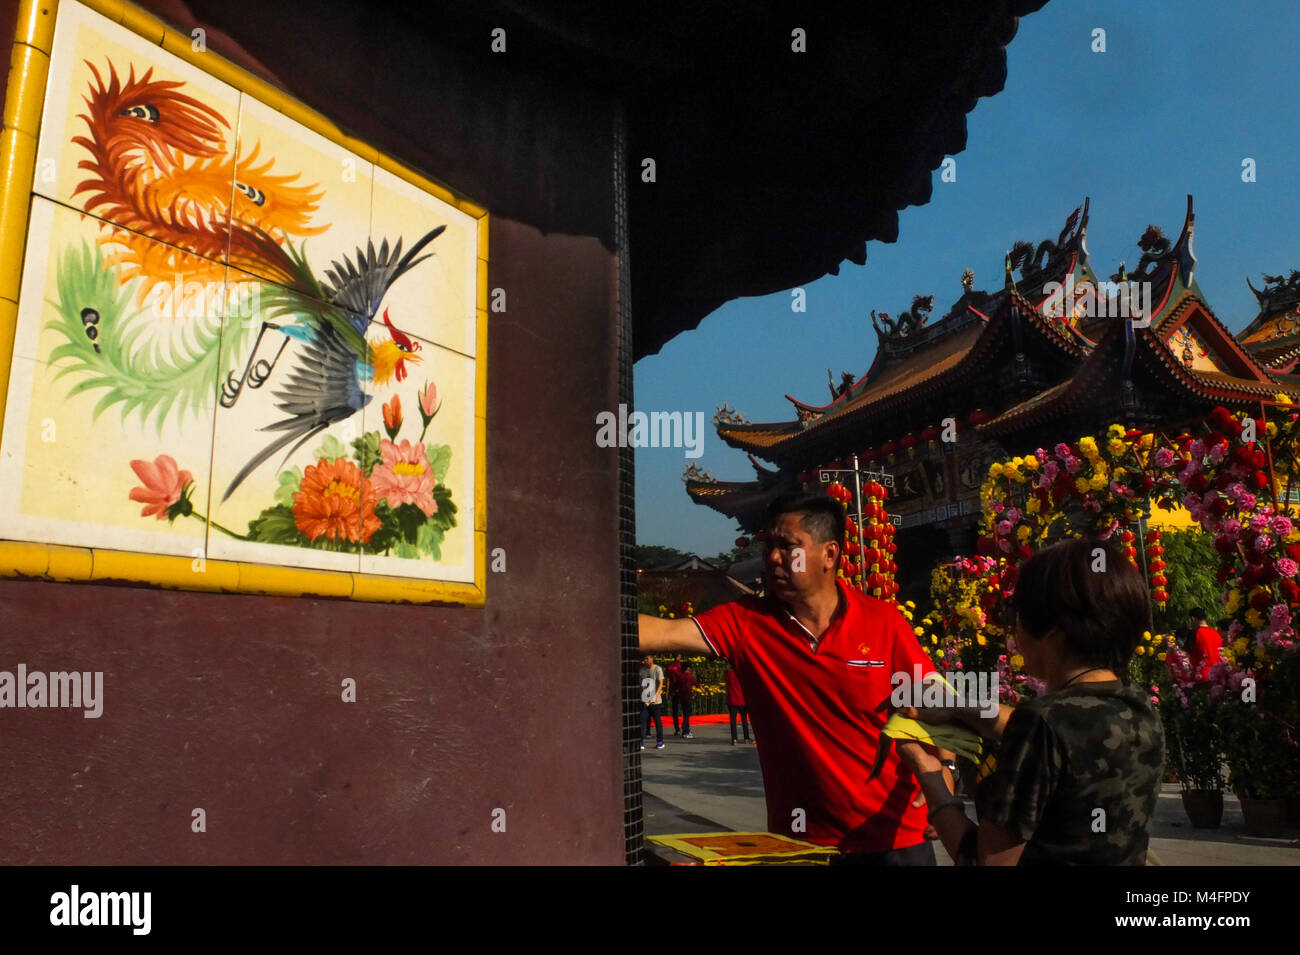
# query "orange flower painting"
(336, 502)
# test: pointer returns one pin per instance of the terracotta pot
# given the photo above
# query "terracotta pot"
(1265, 815)
(1204, 807)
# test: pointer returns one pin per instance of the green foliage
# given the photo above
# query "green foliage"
(330, 449)
(1194, 741)
(736, 554)
(1190, 565)
(366, 451)
(289, 482)
(1260, 763)
(150, 380)
(650, 556)
(276, 525)
(439, 460)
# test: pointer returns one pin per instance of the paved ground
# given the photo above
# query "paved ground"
(706, 784)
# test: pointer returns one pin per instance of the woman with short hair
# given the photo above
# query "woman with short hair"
(1078, 769)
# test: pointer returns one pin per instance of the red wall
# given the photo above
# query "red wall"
(232, 703)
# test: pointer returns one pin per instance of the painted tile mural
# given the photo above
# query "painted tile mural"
(236, 338)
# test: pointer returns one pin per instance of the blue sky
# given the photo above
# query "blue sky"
(1184, 92)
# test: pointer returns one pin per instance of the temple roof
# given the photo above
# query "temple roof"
(1273, 337)
(732, 498)
(1158, 326)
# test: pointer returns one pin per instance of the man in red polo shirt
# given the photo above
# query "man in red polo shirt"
(815, 658)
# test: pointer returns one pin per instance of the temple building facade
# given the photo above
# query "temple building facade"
(1056, 353)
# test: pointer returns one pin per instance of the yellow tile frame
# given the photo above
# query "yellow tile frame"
(24, 96)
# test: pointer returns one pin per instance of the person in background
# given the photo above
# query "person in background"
(1206, 645)
(684, 693)
(674, 671)
(1090, 750)
(736, 704)
(652, 695)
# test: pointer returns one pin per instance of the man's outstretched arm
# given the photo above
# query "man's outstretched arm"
(671, 636)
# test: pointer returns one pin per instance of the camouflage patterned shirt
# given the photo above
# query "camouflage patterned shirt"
(1068, 754)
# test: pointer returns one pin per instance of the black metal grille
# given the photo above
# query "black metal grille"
(632, 816)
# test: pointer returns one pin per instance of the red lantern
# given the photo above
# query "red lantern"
(980, 417)
(907, 441)
(742, 542)
(930, 434)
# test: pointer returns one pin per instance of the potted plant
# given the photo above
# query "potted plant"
(1258, 769)
(1193, 745)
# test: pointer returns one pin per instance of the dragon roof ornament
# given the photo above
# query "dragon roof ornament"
(728, 415)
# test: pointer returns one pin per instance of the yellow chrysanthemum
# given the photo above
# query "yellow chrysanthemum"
(1240, 645)
(1116, 447)
(1161, 657)
(1146, 635)
(995, 471)
(1146, 441)
(1088, 446)
(1017, 660)
(1022, 533)
(1081, 485)
(1033, 506)
(1254, 619)
(981, 640)
(1141, 651)
(1031, 462)
(1098, 482)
